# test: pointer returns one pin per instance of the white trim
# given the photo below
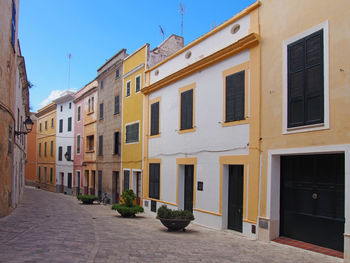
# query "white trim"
(126, 89)
(128, 124)
(273, 180)
(139, 75)
(325, 125)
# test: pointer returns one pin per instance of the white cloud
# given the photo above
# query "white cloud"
(53, 95)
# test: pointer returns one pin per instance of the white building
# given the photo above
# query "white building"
(65, 142)
(201, 151)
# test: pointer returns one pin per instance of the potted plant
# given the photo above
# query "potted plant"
(87, 199)
(174, 220)
(128, 208)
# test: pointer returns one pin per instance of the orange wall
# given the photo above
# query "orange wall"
(31, 155)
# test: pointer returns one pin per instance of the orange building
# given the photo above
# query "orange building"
(30, 176)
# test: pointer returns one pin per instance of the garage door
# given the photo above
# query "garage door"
(312, 199)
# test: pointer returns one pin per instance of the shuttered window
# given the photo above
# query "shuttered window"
(60, 153)
(13, 24)
(155, 118)
(137, 84)
(128, 87)
(51, 149)
(69, 151)
(61, 126)
(116, 143)
(126, 180)
(100, 145)
(306, 81)
(154, 180)
(78, 144)
(101, 111)
(187, 110)
(78, 117)
(132, 133)
(116, 104)
(70, 124)
(235, 97)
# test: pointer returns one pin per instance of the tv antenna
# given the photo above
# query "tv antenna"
(69, 58)
(162, 31)
(182, 10)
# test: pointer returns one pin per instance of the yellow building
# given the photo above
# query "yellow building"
(46, 145)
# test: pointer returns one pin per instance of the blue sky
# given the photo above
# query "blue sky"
(94, 30)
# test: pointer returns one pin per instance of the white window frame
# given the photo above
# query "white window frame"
(318, 126)
(128, 124)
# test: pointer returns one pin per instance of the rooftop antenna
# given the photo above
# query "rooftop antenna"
(69, 58)
(182, 10)
(162, 31)
(213, 26)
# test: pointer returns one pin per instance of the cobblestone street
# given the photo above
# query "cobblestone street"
(49, 227)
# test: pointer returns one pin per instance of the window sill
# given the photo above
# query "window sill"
(154, 136)
(90, 151)
(127, 143)
(186, 131)
(306, 128)
(89, 113)
(234, 123)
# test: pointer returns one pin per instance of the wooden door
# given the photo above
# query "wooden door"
(188, 198)
(235, 197)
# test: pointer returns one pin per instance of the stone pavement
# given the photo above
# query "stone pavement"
(49, 227)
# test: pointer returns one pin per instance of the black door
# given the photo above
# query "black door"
(188, 200)
(312, 199)
(99, 185)
(235, 197)
(115, 187)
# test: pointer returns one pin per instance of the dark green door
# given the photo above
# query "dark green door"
(312, 199)
(235, 197)
(188, 188)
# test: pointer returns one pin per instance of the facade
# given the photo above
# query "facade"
(46, 145)
(133, 81)
(31, 165)
(8, 68)
(65, 122)
(305, 129)
(89, 98)
(202, 127)
(109, 122)
(20, 140)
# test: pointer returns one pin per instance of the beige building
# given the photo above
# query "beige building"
(109, 126)
(305, 139)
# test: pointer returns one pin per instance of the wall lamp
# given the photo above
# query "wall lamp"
(67, 156)
(28, 123)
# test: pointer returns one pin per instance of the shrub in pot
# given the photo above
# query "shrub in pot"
(174, 219)
(127, 208)
(87, 199)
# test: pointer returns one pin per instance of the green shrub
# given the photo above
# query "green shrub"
(166, 213)
(128, 197)
(87, 199)
(127, 211)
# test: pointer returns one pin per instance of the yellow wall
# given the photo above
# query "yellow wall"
(133, 110)
(281, 20)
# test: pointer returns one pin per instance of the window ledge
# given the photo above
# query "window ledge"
(186, 131)
(91, 112)
(154, 136)
(306, 128)
(90, 151)
(233, 123)
(127, 143)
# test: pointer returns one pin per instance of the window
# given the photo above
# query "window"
(154, 178)
(13, 24)
(45, 125)
(69, 151)
(101, 111)
(186, 111)
(39, 126)
(116, 143)
(126, 180)
(155, 118)
(61, 108)
(51, 149)
(51, 175)
(78, 113)
(92, 103)
(100, 145)
(132, 133)
(45, 148)
(78, 143)
(70, 124)
(9, 149)
(128, 87)
(117, 74)
(60, 153)
(89, 104)
(39, 173)
(90, 143)
(305, 67)
(116, 104)
(137, 84)
(61, 126)
(69, 181)
(52, 122)
(235, 98)
(40, 149)
(70, 105)
(101, 84)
